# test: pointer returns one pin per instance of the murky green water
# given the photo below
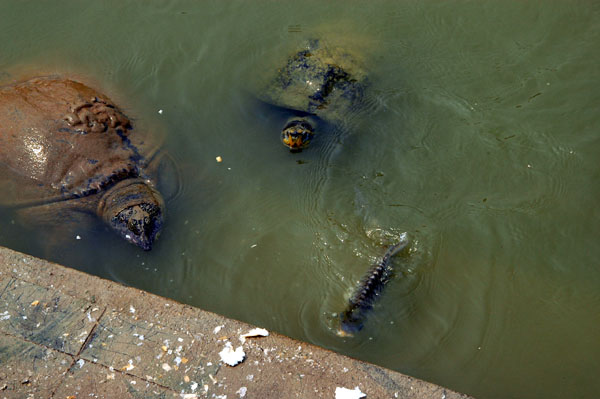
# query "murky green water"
(480, 139)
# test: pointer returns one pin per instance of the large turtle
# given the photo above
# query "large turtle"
(319, 83)
(67, 151)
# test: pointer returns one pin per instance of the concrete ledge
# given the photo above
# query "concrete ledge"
(65, 334)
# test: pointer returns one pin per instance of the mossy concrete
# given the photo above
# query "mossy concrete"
(65, 334)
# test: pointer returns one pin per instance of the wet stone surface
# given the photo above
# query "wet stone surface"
(93, 381)
(154, 352)
(29, 370)
(44, 316)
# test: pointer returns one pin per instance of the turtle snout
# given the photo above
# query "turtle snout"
(139, 224)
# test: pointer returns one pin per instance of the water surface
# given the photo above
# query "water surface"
(479, 138)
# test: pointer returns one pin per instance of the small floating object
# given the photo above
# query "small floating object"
(219, 159)
(345, 393)
(232, 357)
(368, 290)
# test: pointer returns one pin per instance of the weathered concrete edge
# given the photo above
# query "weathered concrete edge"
(275, 366)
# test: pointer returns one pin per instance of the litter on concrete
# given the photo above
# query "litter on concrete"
(345, 393)
(232, 357)
(255, 332)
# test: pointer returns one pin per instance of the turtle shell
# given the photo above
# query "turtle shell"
(62, 140)
(321, 80)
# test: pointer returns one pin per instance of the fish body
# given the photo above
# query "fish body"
(368, 290)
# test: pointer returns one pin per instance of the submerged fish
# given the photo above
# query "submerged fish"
(368, 290)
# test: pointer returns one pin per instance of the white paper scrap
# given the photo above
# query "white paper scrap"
(345, 393)
(255, 332)
(230, 356)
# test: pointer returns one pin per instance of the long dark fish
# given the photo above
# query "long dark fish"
(367, 292)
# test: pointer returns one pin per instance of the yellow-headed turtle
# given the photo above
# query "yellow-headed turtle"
(317, 83)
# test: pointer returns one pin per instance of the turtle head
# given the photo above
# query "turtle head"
(135, 210)
(297, 134)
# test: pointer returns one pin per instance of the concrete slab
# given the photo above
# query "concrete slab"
(29, 370)
(151, 351)
(121, 342)
(45, 316)
(87, 380)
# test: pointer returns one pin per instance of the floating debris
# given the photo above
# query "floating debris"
(345, 393)
(219, 159)
(255, 332)
(232, 357)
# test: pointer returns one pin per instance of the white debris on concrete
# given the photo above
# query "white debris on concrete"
(255, 332)
(90, 318)
(230, 356)
(129, 366)
(217, 329)
(242, 391)
(345, 393)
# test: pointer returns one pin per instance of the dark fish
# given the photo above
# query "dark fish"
(367, 292)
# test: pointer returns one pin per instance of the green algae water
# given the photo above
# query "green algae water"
(480, 139)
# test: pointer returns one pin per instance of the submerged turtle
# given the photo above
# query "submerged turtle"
(67, 151)
(318, 83)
